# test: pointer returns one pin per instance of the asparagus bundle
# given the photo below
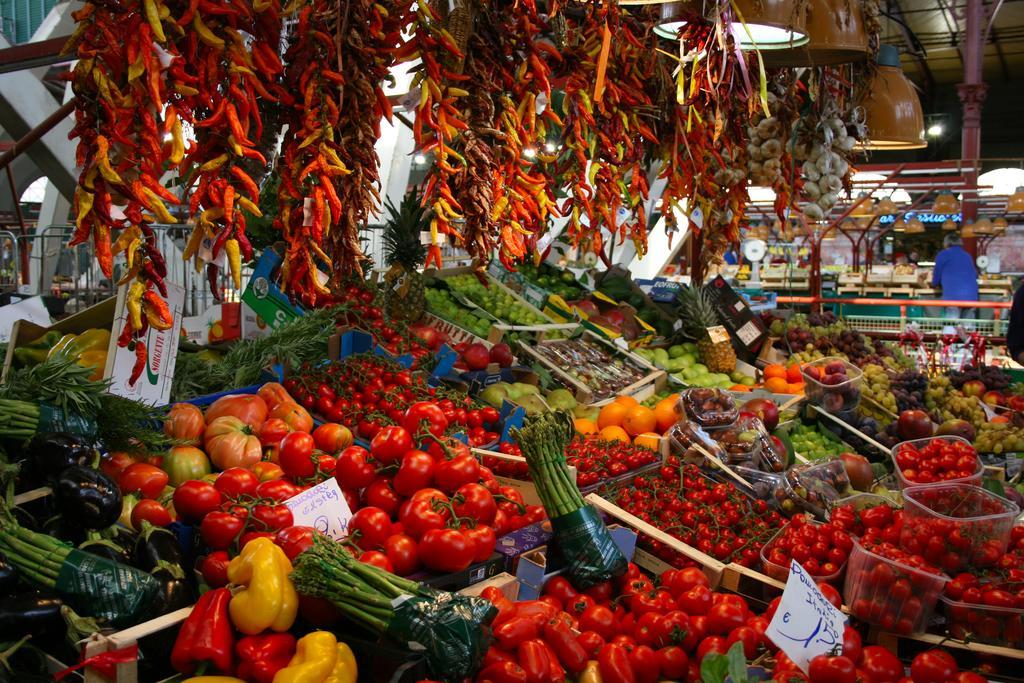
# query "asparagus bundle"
(451, 628)
(92, 585)
(582, 537)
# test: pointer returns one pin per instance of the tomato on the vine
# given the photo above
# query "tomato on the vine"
(194, 499)
(296, 455)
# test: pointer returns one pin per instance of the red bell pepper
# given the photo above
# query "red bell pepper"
(206, 635)
(262, 656)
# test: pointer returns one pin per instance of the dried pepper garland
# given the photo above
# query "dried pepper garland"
(121, 90)
(606, 100)
(438, 119)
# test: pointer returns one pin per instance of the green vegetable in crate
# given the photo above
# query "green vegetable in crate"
(404, 253)
(449, 627)
(36, 351)
(698, 314)
(582, 537)
(92, 585)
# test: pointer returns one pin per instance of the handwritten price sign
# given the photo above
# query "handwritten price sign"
(806, 624)
(322, 507)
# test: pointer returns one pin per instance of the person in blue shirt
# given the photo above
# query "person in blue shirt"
(954, 271)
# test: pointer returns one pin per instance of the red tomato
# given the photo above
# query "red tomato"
(463, 469)
(214, 568)
(725, 616)
(149, 511)
(294, 540)
(933, 666)
(219, 529)
(391, 443)
(235, 482)
(267, 471)
(354, 469)
(880, 665)
(852, 646)
(484, 539)
(369, 528)
(476, 502)
(416, 472)
(559, 588)
(674, 662)
(382, 495)
(696, 601)
(830, 593)
(402, 553)
(377, 559)
(273, 430)
(270, 517)
(194, 499)
(716, 644)
(446, 550)
(825, 669)
(599, 619)
(278, 489)
(296, 455)
(331, 437)
(748, 636)
(425, 415)
(678, 581)
(139, 477)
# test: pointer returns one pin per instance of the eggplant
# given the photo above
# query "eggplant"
(64, 529)
(50, 453)
(157, 547)
(35, 613)
(88, 497)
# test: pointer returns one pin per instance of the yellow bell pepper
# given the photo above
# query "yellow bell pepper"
(345, 669)
(270, 600)
(97, 360)
(315, 658)
(61, 344)
(591, 674)
(213, 679)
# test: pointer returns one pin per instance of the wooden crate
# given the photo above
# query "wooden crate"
(905, 646)
(854, 278)
(492, 282)
(642, 389)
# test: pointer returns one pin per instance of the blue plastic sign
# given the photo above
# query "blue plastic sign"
(322, 507)
(806, 624)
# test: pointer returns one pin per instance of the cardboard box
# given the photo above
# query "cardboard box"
(536, 567)
(264, 296)
(521, 541)
(253, 324)
(100, 316)
(745, 327)
(217, 324)
(474, 573)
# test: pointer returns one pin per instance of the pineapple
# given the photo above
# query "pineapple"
(698, 314)
(404, 298)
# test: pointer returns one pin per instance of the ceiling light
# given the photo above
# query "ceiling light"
(529, 152)
(765, 26)
(892, 107)
(1015, 204)
(1000, 181)
(935, 130)
(550, 147)
(945, 203)
(836, 36)
(419, 159)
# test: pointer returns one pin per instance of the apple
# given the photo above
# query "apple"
(615, 317)
(502, 355)
(586, 307)
(994, 398)
(476, 356)
(974, 387)
(765, 409)
(914, 424)
(427, 334)
(858, 469)
(1015, 402)
(961, 428)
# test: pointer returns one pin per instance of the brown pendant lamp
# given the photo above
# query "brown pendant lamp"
(767, 24)
(892, 109)
(1015, 204)
(949, 225)
(835, 29)
(946, 203)
(915, 226)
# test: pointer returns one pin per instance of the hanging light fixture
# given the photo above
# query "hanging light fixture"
(983, 226)
(949, 225)
(946, 203)
(863, 207)
(836, 35)
(766, 25)
(899, 225)
(968, 229)
(892, 109)
(1015, 204)
(885, 207)
(915, 226)
(1000, 225)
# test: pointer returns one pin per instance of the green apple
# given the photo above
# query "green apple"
(676, 351)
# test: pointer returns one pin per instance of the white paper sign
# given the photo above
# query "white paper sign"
(806, 624)
(322, 507)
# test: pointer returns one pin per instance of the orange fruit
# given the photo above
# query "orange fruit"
(999, 419)
(773, 370)
(614, 434)
(627, 401)
(666, 412)
(739, 387)
(612, 415)
(776, 385)
(793, 374)
(585, 427)
(648, 440)
(639, 420)
(795, 388)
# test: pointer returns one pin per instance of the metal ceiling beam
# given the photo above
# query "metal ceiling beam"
(999, 53)
(32, 55)
(954, 29)
(896, 12)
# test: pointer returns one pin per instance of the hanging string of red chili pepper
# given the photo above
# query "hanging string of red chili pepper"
(438, 120)
(233, 77)
(120, 122)
(605, 134)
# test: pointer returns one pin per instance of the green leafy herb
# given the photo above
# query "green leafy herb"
(59, 381)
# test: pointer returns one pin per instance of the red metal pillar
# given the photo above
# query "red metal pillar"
(972, 96)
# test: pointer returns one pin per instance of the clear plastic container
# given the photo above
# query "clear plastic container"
(858, 503)
(709, 407)
(888, 593)
(953, 525)
(691, 443)
(921, 443)
(781, 572)
(741, 441)
(763, 485)
(817, 486)
(984, 623)
(832, 396)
